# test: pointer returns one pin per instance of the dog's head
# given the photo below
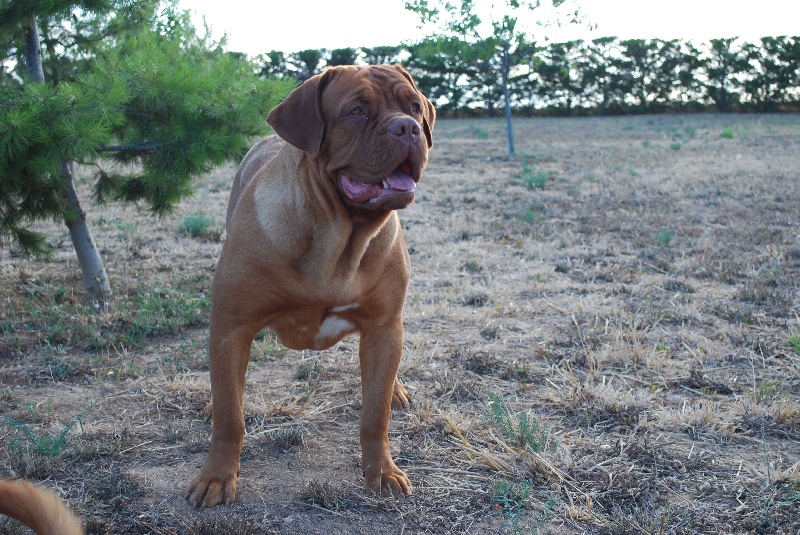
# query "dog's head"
(369, 126)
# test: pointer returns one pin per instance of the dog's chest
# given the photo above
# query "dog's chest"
(314, 328)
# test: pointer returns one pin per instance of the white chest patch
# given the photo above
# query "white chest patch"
(333, 328)
(351, 306)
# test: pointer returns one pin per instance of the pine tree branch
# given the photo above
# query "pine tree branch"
(152, 147)
(130, 148)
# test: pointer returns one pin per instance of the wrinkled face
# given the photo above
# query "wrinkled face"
(377, 136)
(369, 126)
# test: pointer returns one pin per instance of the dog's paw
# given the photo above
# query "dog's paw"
(387, 480)
(400, 397)
(209, 491)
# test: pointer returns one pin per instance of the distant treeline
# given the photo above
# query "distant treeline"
(602, 76)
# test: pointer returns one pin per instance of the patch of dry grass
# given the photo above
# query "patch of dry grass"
(640, 304)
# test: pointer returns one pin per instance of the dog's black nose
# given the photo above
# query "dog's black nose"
(406, 129)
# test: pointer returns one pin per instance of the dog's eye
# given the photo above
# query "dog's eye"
(356, 111)
(415, 107)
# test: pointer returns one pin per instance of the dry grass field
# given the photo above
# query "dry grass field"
(602, 336)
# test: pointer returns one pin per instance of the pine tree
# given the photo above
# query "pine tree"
(510, 41)
(135, 85)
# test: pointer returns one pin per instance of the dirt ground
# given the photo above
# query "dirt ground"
(626, 290)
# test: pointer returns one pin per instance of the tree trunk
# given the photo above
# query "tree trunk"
(506, 71)
(33, 56)
(95, 278)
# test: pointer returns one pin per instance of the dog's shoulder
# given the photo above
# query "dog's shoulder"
(259, 156)
(265, 154)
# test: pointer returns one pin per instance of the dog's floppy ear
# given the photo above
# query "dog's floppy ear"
(428, 111)
(428, 118)
(298, 119)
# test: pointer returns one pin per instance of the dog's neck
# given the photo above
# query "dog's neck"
(342, 232)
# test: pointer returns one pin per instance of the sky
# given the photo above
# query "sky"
(293, 25)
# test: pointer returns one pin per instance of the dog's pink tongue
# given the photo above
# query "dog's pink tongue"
(358, 191)
(400, 180)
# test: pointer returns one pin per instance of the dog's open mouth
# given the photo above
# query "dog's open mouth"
(396, 190)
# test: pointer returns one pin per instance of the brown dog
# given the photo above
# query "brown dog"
(314, 253)
(38, 509)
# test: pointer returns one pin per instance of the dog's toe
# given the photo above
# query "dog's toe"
(205, 492)
(400, 398)
(388, 481)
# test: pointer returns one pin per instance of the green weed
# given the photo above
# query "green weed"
(472, 267)
(201, 226)
(54, 357)
(531, 217)
(126, 370)
(480, 133)
(533, 178)
(518, 370)
(664, 237)
(42, 443)
(794, 341)
(309, 370)
(675, 146)
(524, 433)
(128, 227)
(267, 348)
(32, 408)
(159, 311)
(727, 133)
(147, 312)
(791, 496)
(767, 390)
(511, 500)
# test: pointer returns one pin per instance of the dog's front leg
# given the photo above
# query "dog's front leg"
(380, 350)
(229, 353)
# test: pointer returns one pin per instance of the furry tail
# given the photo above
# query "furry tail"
(38, 509)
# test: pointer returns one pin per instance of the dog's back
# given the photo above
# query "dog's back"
(38, 509)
